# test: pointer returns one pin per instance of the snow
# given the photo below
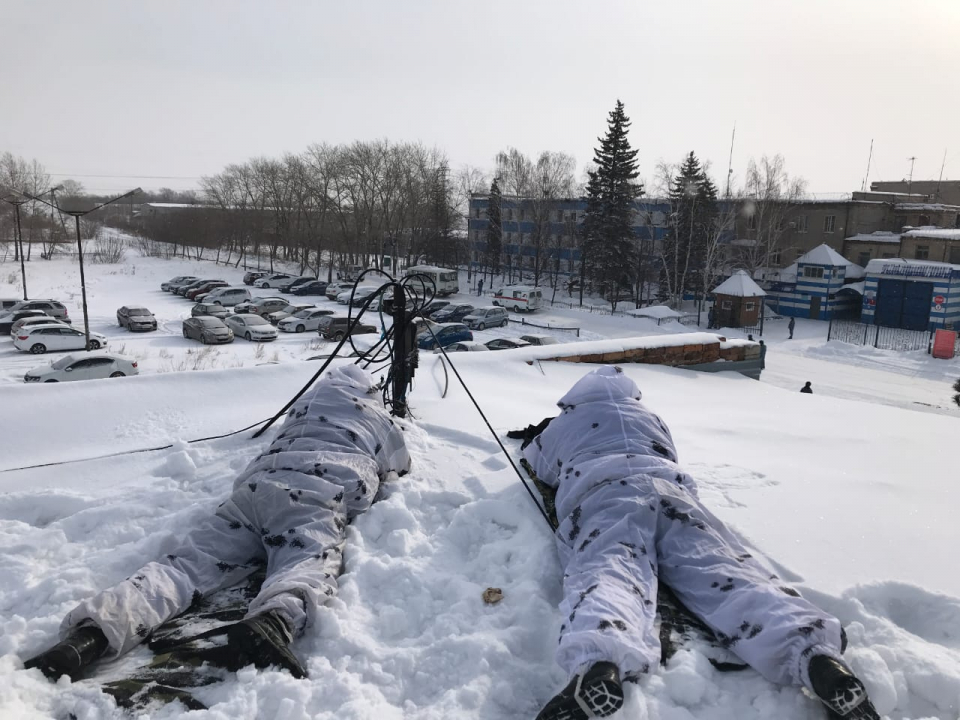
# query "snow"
(740, 284)
(850, 491)
(880, 236)
(657, 312)
(935, 232)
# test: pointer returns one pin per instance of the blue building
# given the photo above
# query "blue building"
(822, 284)
(912, 294)
(519, 220)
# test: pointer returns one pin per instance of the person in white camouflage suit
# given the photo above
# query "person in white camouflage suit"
(288, 510)
(628, 516)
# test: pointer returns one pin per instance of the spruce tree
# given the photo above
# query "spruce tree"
(608, 240)
(494, 246)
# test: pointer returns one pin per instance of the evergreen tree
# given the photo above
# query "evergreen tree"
(607, 247)
(956, 386)
(494, 245)
(693, 202)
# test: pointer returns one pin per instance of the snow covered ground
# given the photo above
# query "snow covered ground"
(851, 492)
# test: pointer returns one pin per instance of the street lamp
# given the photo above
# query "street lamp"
(17, 202)
(77, 214)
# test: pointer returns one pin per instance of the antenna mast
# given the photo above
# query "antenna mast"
(913, 161)
(942, 166)
(867, 176)
(730, 163)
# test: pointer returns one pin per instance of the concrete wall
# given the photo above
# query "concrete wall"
(673, 355)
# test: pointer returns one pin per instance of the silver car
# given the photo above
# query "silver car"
(208, 330)
(227, 296)
(286, 311)
(209, 310)
(252, 327)
(303, 320)
(83, 366)
(30, 321)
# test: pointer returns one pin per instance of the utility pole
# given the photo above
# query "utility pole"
(913, 161)
(866, 177)
(730, 163)
(16, 202)
(940, 179)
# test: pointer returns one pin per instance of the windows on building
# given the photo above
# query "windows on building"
(775, 258)
(863, 258)
(477, 215)
(922, 252)
(727, 304)
(813, 272)
(752, 222)
(508, 214)
(829, 223)
(924, 220)
(955, 255)
(801, 225)
(749, 307)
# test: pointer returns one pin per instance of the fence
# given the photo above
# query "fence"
(524, 321)
(884, 338)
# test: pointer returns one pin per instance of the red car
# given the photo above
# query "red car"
(205, 288)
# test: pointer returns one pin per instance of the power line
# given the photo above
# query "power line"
(131, 177)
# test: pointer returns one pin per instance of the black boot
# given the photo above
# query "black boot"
(264, 640)
(594, 693)
(840, 690)
(68, 657)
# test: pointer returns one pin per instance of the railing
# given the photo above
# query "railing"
(883, 338)
(548, 326)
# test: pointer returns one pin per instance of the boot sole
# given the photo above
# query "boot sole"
(597, 700)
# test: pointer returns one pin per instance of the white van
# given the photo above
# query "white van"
(518, 297)
(447, 281)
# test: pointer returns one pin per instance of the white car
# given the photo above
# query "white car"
(359, 296)
(251, 327)
(31, 321)
(83, 366)
(270, 281)
(464, 346)
(303, 320)
(226, 296)
(38, 339)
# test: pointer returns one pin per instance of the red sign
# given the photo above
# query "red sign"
(939, 300)
(944, 344)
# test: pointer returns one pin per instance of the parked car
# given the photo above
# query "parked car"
(251, 327)
(182, 289)
(8, 321)
(197, 292)
(207, 329)
(433, 306)
(359, 297)
(7, 303)
(303, 320)
(452, 313)
(335, 328)
(362, 344)
(444, 335)
(519, 297)
(252, 275)
(227, 296)
(506, 344)
(540, 339)
(335, 288)
(52, 308)
(175, 281)
(83, 367)
(270, 281)
(289, 284)
(38, 339)
(209, 310)
(314, 287)
(464, 346)
(286, 311)
(42, 319)
(262, 306)
(486, 317)
(136, 318)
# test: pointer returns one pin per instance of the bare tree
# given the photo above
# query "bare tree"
(769, 195)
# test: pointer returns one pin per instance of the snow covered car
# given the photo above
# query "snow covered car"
(51, 307)
(209, 309)
(208, 330)
(359, 296)
(251, 276)
(57, 336)
(252, 328)
(83, 366)
(335, 288)
(486, 317)
(362, 343)
(174, 282)
(464, 346)
(135, 318)
(452, 313)
(506, 344)
(286, 311)
(227, 296)
(31, 321)
(270, 281)
(540, 339)
(256, 303)
(7, 303)
(444, 335)
(303, 320)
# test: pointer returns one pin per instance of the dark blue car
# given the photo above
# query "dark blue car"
(445, 334)
(452, 313)
(313, 287)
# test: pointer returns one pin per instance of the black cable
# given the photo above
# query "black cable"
(492, 431)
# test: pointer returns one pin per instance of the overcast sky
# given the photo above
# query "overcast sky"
(180, 89)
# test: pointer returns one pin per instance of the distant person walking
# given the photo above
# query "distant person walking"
(710, 319)
(807, 389)
(790, 326)
(480, 286)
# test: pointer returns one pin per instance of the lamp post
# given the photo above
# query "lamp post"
(77, 214)
(17, 202)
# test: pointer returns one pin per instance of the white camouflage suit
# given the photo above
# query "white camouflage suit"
(289, 510)
(628, 515)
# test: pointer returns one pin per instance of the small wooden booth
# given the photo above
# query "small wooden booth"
(739, 302)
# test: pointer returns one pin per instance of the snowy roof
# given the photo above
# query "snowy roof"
(936, 207)
(739, 285)
(823, 255)
(657, 312)
(856, 287)
(935, 232)
(882, 236)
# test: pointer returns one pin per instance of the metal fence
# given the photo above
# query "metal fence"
(884, 338)
(547, 326)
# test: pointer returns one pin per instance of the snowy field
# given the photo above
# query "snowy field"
(850, 492)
